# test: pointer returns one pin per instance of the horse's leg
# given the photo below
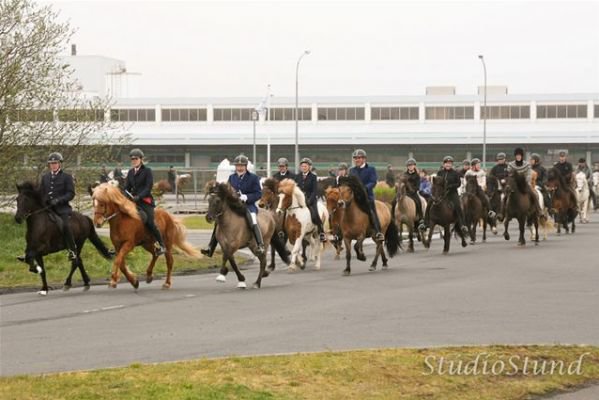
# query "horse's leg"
(522, 228)
(40, 262)
(262, 272)
(168, 283)
(222, 276)
(240, 278)
(295, 255)
(411, 239)
(384, 257)
(574, 224)
(427, 242)
(150, 269)
(379, 246)
(271, 266)
(68, 282)
(305, 244)
(317, 248)
(84, 274)
(359, 252)
(348, 251)
(484, 228)
(506, 224)
(120, 264)
(446, 239)
(536, 225)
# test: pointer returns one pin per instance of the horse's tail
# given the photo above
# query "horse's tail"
(97, 242)
(392, 239)
(180, 240)
(279, 246)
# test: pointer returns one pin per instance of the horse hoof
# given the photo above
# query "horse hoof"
(536, 243)
(337, 257)
(291, 269)
(86, 288)
(221, 278)
(346, 273)
(472, 242)
(445, 252)
(255, 286)
(410, 249)
(43, 292)
(506, 236)
(112, 285)
(521, 244)
(464, 244)
(241, 285)
(361, 257)
(135, 284)
(149, 279)
(303, 266)
(66, 288)
(385, 267)
(317, 268)
(265, 274)
(166, 285)
(372, 268)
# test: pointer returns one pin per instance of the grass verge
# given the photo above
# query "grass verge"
(369, 374)
(14, 274)
(196, 222)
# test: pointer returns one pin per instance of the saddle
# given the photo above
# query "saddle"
(143, 215)
(57, 220)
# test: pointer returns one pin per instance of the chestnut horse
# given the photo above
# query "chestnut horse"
(355, 223)
(563, 200)
(128, 231)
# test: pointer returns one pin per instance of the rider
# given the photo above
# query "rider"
(452, 183)
(308, 183)
(535, 163)
(104, 177)
(284, 172)
(425, 185)
(564, 167)
(390, 176)
(367, 176)
(413, 177)
(466, 165)
(138, 186)
(518, 166)
(481, 179)
(247, 185)
(342, 170)
(499, 170)
(172, 178)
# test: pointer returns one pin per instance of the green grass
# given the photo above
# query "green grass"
(197, 222)
(369, 374)
(16, 274)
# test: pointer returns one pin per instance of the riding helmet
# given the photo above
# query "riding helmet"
(466, 162)
(475, 161)
(282, 161)
(241, 160)
(53, 157)
(359, 153)
(500, 156)
(411, 161)
(306, 160)
(562, 153)
(447, 158)
(519, 150)
(536, 157)
(343, 166)
(136, 153)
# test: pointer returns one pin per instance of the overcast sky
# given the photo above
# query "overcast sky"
(358, 48)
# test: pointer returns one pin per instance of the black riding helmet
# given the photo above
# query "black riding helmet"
(55, 157)
(136, 153)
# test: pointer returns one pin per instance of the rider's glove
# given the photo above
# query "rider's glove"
(243, 197)
(54, 202)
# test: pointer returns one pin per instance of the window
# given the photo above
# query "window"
(288, 114)
(32, 115)
(458, 112)
(596, 114)
(562, 111)
(233, 114)
(506, 112)
(393, 113)
(81, 115)
(341, 113)
(134, 114)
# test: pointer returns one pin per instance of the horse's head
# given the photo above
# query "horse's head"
(216, 201)
(403, 185)
(270, 192)
(332, 199)
(471, 184)
(438, 189)
(492, 185)
(581, 181)
(518, 182)
(286, 190)
(554, 179)
(346, 196)
(108, 202)
(29, 199)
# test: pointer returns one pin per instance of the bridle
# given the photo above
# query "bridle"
(30, 213)
(107, 218)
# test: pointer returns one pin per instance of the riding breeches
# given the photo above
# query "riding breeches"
(454, 200)
(414, 196)
(252, 221)
(150, 223)
(315, 217)
(374, 218)
(67, 233)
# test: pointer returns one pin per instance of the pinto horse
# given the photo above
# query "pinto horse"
(269, 202)
(128, 231)
(474, 209)
(355, 223)
(563, 200)
(404, 212)
(44, 237)
(521, 204)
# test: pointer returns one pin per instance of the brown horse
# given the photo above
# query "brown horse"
(441, 212)
(128, 231)
(474, 209)
(335, 217)
(269, 202)
(233, 233)
(404, 212)
(521, 204)
(355, 223)
(563, 200)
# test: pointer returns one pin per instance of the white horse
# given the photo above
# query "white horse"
(582, 196)
(298, 224)
(595, 181)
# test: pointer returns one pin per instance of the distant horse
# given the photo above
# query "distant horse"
(475, 211)
(441, 213)
(355, 223)
(182, 181)
(335, 216)
(163, 186)
(404, 212)
(521, 204)
(128, 231)
(45, 237)
(298, 223)
(269, 202)
(583, 196)
(563, 199)
(233, 233)
(494, 193)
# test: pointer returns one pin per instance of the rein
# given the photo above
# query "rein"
(29, 214)
(107, 218)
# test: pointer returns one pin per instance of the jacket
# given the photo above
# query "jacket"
(565, 169)
(309, 186)
(541, 174)
(414, 179)
(451, 178)
(140, 184)
(523, 169)
(499, 171)
(58, 187)
(288, 175)
(367, 175)
(248, 184)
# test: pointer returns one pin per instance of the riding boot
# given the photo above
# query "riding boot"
(485, 200)
(209, 251)
(457, 208)
(419, 214)
(374, 218)
(156, 233)
(68, 238)
(427, 218)
(318, 222)
(253, 223)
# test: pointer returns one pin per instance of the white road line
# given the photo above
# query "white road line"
(104, 309)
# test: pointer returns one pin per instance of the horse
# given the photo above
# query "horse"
(355, 223)
(544, 221)
(494, 193)
(441, 213)
(127, 231)
(335, 217)
(44, 235)
(269, 202)
(583, 196)
(209, 188)
(521, 204)
(474, 209)
(182, 181)
(403, 211)
(298, 223)
(232, 232)
(563, 199)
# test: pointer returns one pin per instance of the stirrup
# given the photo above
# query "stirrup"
(260, 250)
(158, 250)
(72, 256)
(422, 226)
(379, 237)
(21, 258)
(464, 229)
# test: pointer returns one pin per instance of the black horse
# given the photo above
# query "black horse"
(45, 237)
(522, 205)
(474, 209)
(441, 212)
(494, 191)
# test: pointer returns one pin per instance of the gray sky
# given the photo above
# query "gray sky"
(358, 48)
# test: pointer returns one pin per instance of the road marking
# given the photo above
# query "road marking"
(104, 309)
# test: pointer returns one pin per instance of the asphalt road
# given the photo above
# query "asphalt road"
(484, 294)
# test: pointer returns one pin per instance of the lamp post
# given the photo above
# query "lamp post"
(482, 59)
(305, 53)
(255, 117)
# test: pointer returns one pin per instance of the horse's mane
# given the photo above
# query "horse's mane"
(107, 193)
(270, 184)
(521, 183)
(492, 183)
(226, 194)
(324, 184)
(289, 188)
(472, 180)
(554, 174)
(360, 195)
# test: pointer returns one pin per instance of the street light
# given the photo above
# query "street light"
(305, 53)
(257, 112)
(486, 112)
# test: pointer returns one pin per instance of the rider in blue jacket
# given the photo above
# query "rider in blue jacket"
(367, 175)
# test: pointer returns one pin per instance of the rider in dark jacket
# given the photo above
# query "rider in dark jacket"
(367, 175)
(308, 183)
(284, 172)
(138, 186)
(413, 177)
(564, 167)
(499, 170)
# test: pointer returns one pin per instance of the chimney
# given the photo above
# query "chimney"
(73, 49)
